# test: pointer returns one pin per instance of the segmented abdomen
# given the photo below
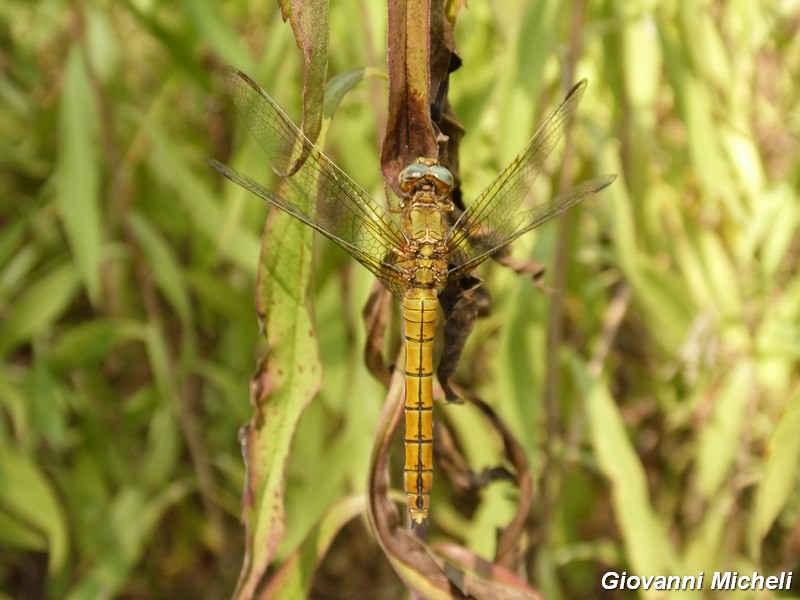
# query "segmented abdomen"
(419, 326)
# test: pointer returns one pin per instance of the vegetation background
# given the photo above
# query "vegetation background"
(127, 272)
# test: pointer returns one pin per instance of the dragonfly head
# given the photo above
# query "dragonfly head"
(428, 177)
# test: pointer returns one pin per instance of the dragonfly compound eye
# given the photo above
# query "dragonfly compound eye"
(443, 175)
(411, 174)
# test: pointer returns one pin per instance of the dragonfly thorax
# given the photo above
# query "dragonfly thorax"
(426, 187)
(424, 262)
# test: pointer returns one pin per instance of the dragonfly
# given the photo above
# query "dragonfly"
(415, 249)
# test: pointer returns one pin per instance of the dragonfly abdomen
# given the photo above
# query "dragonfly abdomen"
(420, 306)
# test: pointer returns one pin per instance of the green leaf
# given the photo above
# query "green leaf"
(520, 80)
(161, 453)
(16, 533)
(643, 66)
(126, 539)
(15, 403)
(720, 439)
(29, 498)
(779, 481)
(78, 175)
(663, 299)
(204, 213)
(339, 85)
(648, 548)
(782, 231)
(216, 293)
(215, 31)
(295, 576)
(85, 344)
(164, 266)
(17, 270)
(11, 238)
(35, 311)
(703, 43)
(705, 145)
(707, 538)
(310, 24)
(720, 274)
(709, 272)
(158, 357)
(287, 379)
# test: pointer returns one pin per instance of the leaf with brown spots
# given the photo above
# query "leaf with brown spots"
(287, 379)
(311, 27)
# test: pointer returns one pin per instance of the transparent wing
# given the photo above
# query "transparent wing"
(497, 216)
(485, 242)
(387, 273)
(313, 188)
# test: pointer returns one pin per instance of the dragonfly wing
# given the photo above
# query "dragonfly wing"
(387, 273)
(498, 216)
(482, 246)
(313, 188)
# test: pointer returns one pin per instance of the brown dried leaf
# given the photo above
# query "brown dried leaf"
(452, 131)
(409, 132)
(497, 573)
(421, 570)
(376, 317)
(410, 559)
(463, 301)
(528, 267)
(451, 462)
